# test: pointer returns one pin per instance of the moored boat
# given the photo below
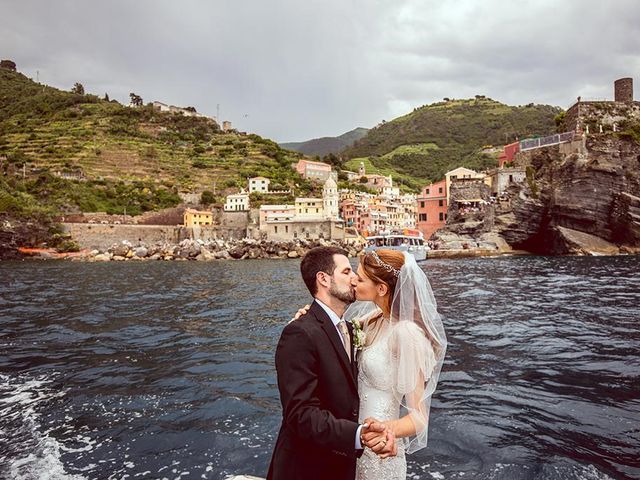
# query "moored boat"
(414, 244)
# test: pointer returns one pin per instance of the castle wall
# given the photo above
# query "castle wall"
(599, 113)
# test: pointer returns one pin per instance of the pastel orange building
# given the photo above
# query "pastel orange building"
(432, 208)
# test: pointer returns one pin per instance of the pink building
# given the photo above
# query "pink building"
(276, 213)
(432, 208)
(378, 182)
(313, 170)
(349, 212)
(355, 213)
(508, 153)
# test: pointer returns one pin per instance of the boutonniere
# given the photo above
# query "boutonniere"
(358, 335)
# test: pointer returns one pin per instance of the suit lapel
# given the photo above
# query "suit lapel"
(330, 329)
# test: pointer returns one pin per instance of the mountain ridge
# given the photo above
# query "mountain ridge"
(326, 145)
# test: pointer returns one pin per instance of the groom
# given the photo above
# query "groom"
(320, 437)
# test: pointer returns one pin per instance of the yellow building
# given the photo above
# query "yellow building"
(196, 218)
(309, 207)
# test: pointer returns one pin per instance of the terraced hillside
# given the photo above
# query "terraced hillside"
(71, 152)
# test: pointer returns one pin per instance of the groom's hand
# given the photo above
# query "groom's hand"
(379, 438)
(373, 432)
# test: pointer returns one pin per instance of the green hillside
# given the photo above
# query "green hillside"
(433, 139)
(67, 152)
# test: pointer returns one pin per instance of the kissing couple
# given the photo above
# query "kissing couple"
(356, 383)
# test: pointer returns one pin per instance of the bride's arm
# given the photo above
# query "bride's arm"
(415, 421)
(413, 362)
(300, 312)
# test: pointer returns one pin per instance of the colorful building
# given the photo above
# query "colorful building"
(309, 207)
(378, 182)
(276, 213)
(508, 154)
(196, 218)
(309, 170)
(432, 208)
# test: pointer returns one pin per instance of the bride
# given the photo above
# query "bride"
(401, 356)
(401, 346)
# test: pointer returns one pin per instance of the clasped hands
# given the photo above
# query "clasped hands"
(378, 437)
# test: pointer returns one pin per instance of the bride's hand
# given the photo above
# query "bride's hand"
(379, 437)
(300, 312)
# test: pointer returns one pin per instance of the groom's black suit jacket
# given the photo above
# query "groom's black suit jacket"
(319, 395)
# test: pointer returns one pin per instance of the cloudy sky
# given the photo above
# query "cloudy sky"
(293, 70)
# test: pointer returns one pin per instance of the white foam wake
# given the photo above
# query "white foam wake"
(34, 453)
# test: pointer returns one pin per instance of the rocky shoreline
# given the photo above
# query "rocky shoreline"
(247, 249)
(197, 250)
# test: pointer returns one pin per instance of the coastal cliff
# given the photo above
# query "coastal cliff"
(580, 197)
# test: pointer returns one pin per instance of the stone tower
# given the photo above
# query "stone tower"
(623, 90)
(330, 198)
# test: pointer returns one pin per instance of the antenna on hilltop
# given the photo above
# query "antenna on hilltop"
(218, 113)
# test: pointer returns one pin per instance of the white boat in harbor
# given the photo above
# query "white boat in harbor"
(414, 244)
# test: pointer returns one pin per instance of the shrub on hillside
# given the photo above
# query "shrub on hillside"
(207, 198)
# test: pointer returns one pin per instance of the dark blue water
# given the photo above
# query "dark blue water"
(165, 370)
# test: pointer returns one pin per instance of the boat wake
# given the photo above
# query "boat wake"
(27, 450)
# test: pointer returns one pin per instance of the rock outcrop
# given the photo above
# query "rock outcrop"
(581, 197)
(587, 187)
(16, 233)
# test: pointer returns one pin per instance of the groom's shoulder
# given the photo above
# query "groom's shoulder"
(307, 323)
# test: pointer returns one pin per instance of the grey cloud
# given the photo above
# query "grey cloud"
(292, 70)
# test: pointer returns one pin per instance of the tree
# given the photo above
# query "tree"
(8, 64)
(106, 97)
(78, 88)
(332, 160)
(559, 119)
(207, 198)
(136, 100)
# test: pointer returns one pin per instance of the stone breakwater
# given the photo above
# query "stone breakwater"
(199, 250)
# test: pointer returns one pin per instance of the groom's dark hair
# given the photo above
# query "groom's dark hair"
(319, 259)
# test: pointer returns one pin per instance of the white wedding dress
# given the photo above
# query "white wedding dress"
(375, 382)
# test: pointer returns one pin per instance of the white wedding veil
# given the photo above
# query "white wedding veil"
(417, 343)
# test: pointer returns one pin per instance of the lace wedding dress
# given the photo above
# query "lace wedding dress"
(375, 382)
